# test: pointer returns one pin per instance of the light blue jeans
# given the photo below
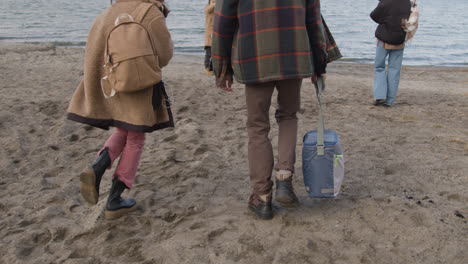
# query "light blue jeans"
(386, 83)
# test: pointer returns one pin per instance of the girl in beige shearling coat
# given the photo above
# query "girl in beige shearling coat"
(132, 114)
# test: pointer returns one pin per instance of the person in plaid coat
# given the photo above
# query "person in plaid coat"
(266, 44)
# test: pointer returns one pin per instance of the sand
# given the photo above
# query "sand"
(404, 200)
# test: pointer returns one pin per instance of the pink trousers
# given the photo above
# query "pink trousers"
(129, 146)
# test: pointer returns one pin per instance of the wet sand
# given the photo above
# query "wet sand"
(404, 199)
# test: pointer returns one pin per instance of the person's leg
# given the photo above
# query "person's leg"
(395, 61)
(115, 144)
(380, 75)
(130, 159)
(91, 177)
(260, 151)
(124, 177)
(210, 63)
(289, 100)
(208, 58)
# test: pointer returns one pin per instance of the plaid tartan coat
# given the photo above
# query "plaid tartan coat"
(268, 40)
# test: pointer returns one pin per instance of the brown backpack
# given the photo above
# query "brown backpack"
(130, 62)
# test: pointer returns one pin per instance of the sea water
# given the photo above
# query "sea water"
(442, 38)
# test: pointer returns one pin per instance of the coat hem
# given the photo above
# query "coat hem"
(106, 123)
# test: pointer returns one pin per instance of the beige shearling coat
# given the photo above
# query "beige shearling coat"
(209, 19)
(142, 111)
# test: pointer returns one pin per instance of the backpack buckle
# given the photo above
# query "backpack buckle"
(320, 150)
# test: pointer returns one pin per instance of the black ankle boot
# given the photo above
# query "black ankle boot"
(91, 177)
(260, 207)
(117, 206)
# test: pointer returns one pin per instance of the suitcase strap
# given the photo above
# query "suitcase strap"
(319, 87)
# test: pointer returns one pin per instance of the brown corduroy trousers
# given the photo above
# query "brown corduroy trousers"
(260, 151)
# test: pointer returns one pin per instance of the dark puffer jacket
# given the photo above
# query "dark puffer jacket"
(388, 14)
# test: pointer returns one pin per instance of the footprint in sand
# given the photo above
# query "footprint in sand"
(59, 234)
(79, 253)
(73, 138)
(216, 233)
(129, 250)
(32, 240)
(183, 109)
(25, 223)
(197, 225)
(88, 128)
(166, 215)
(170, 138)
(454, 197)
(50, 108)
(389, 171)
(202, 149)
(22, 251)
(227, 138)
(251, 244)
(5, 119)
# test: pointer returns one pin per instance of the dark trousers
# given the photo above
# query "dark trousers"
(260, 151)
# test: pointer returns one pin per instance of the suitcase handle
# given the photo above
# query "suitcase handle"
(319, 87)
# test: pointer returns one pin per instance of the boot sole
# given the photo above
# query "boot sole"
(285, 201)
(88, 186)
(112, 215)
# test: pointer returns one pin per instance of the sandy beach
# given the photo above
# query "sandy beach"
(404, 198)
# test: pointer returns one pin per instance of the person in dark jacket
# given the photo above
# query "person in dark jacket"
(390, 35)
(268, 45)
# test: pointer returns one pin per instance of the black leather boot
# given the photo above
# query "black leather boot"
(262, 208)
(91, 177)
(116, 206)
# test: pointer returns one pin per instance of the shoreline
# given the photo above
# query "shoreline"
(81, 45)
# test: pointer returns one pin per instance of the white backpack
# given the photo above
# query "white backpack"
(410, 25)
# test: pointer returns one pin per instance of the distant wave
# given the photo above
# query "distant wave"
(14, 38)
(461, 64)
(69, 43)
(55, 43)
(190, 49)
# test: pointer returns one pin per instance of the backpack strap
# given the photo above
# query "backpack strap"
(140, 12)
(319, 87)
